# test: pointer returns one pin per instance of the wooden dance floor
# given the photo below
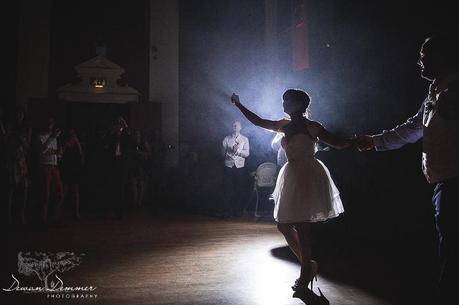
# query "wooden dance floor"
(171, 260)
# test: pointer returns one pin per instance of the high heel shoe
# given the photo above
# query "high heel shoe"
(301, 284)
(314, 271)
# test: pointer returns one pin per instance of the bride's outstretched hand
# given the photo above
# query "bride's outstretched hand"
(235, 99)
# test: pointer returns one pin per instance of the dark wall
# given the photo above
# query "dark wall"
(10, 38)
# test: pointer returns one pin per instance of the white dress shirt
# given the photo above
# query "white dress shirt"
(235, 149)
(49, 155)
(437, 122)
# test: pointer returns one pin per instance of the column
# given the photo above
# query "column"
(164, 71)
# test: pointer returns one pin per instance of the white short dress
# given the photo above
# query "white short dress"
(305, 191)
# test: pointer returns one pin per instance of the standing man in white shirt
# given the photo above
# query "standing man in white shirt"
(235, 148)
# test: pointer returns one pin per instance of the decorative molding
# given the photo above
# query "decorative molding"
(98, 70)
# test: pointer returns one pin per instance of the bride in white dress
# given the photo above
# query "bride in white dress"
(305, 191)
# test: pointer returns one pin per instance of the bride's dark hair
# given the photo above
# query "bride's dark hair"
(297, 95)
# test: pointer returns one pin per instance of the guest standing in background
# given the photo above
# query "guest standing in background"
(119, 146)
(72, 166)
(235, 149)
(18, 142)
(139, 168)
(49, 181)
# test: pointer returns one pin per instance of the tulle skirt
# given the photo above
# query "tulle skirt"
(305, 192)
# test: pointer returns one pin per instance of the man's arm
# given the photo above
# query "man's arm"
(409, 132)
(45, 147)
(224, 147)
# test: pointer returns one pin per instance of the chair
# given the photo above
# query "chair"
(264, 177)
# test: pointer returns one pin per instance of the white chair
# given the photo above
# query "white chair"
(264, 177)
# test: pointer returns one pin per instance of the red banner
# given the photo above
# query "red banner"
(300, 41)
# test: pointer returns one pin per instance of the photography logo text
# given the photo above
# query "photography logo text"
(46, 266)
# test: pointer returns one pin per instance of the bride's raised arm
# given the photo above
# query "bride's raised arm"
(255, 119)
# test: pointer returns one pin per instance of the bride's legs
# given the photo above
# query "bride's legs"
(304, 237)
(291, 236)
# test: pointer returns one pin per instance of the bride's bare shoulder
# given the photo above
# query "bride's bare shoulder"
(282, 123)
(312, 123)
(314, 127)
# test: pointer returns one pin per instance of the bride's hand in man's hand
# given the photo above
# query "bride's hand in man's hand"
(364, 142)
(351, 142)
(235, 99)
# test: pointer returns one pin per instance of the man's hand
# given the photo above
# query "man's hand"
(228, 156)
(364, 142)
(235, 148)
